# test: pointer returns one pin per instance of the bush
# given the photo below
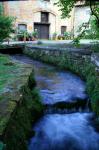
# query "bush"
(76, 42)
(54, 36)
(6, 27)
(35, 34)
(23, 35)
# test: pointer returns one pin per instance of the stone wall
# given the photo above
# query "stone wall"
(76, 60)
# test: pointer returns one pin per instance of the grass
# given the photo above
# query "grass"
(6, 71)
(17, 114)
(9, 72)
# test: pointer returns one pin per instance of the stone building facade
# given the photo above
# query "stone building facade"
(82, 15)
(43, 16)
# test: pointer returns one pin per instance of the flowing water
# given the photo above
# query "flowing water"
(61, 131)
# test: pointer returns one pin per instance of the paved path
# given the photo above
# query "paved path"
(53, 42)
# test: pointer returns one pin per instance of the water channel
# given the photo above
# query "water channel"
(58, 129)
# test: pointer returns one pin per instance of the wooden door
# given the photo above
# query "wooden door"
(43, 30)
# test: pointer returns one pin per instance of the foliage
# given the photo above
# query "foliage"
(1, 8)
(67, 5)
(26, 34)
(67, 35)
(54, 36)
(89, 30)
(76, 41)
(95, 46)
(22, 35)
(60, 37)
(6, 27)
(34, 34)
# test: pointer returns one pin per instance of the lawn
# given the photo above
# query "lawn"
(10, 73)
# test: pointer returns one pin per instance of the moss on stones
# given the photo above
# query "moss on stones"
(20, 104)
(20, 125)
(78, 62)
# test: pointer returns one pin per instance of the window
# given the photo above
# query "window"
(22, 27)
(44, 17)
(63, 29)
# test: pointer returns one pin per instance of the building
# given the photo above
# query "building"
(82, 15)
(44, 16)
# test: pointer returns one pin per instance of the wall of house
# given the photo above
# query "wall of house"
(82, 15)
(28, 12)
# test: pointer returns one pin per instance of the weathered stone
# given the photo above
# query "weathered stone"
(95, 59)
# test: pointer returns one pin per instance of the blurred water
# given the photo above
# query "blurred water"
(65, 132)
(55, 85)
(60, 129)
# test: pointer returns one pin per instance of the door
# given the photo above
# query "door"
(43, 30)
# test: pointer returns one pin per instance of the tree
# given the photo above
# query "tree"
(6, 27)
(92, 31)
(67, 5)
(1, 8)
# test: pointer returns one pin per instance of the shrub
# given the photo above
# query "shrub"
(6, 27)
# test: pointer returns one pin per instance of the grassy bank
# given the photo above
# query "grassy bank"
(7, 69)
(20, 104)
(79, 64)
(19, 128)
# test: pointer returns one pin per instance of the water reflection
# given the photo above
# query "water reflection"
(55, 85)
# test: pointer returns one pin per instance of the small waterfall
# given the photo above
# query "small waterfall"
(67, 123)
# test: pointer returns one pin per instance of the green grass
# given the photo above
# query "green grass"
(17, 113)
(9, 72)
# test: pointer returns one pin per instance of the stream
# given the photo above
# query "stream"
(61, 129)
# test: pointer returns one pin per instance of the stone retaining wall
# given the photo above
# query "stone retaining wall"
(12, 48)
(77, 61)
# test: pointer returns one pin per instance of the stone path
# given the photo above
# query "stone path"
(53, 42)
